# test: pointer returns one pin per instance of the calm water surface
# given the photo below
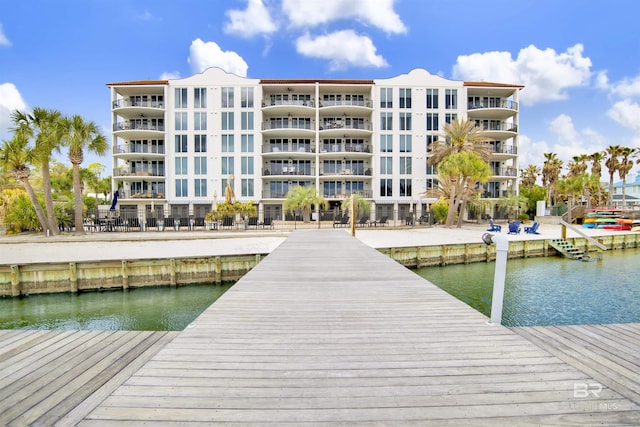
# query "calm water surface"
(160, 308)
(551, 291)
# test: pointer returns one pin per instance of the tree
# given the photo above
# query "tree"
(459, 136)
(82, 135)
(461, 172)
(596, 171)
(16, 157)
(513, 203)
(303, 199)
(47, 128)
(570, 188)
(533, 194)
(362, 205)
(550, 175)
(578, 164)
(625, 166)
(530, 175)
(613, 152)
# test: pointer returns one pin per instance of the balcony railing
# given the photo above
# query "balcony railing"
(364, 193)
(505, 172)
(347, 171)
(345, 148)
(504, 104)
(288, 124)
(267, 102)
(342, 124)
(346, 102)
(138, 149)
(136, 125)
(506, 149)
(138, 171)
(287, 170)
(140, 195)
(500, 126)
(285, 148)
(120, 103)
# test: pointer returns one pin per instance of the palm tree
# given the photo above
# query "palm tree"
(82, 135)
(578, 165)
(550, 174)
(461, 172)
(513, 203)
(16, 157)
(362, 205)
(530, 175)
(596, 165)
(46, 127)
(459, 136)
(625, 166)
(303, 198)
(612, 162)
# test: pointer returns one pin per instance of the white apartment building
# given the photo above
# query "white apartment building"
(177, 142)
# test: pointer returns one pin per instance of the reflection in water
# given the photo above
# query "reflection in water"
(550, 291)
(161, 308)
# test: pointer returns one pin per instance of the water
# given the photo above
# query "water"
(550, 291)
(161, 308)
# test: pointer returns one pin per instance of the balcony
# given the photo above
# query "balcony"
(353, 126)
(496, 129)
(287, 171)
(503, 174)
(345, 148)
(289, 126)
(367, 194)
(138, 172)
(138, 151)
(124, 103)
(329, 173)
(140, 195)
(139, 129)
(492, 109)
(504, 152)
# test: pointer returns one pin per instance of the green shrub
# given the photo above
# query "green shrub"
(440, 210)
(523, 217)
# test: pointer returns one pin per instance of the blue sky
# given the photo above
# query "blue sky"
(577, 58)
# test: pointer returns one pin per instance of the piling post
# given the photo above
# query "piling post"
(502, 250)
(125, 274)
(73, 276)
(15, 280)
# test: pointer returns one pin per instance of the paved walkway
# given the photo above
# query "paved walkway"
(150, 245)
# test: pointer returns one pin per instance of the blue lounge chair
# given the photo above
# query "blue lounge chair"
(494, 227)
(533, 229)
(514, 227)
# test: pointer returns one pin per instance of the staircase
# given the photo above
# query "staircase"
(567, 249)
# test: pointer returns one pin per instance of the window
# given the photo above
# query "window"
(386, 121)
(386, 165)
(200, 187)
(181, 143)
(181, 121)
(405, 143)
(200, 121)
(227, 166)
(451, 99)
(246, 144)
(405, 98)
(227, 97)
(432, 98)
(200, 97)
(182, 188)
(246, 97)
(405, 121)
(227, 120)
(431, 183)
(405, 187)
(386, 143)
(405, 165)
(247, 187)
(432, 121)
(181, 97)
(227, 143)
(181, 166)
(386, 186)
(450, 117)
(431, 169)
(386, 97)
(246, 119)
(246, 165)
(200, 165)
(200, 143)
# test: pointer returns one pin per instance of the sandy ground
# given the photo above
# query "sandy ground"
(26, 249)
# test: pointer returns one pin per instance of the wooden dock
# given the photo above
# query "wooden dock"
(328, 331)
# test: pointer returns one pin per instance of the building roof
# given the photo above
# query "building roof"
(140, 83)
(313, 81)
(491, 84)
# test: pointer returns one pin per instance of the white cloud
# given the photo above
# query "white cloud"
(203, 55)
(10, 100)
(573, 142)
(169, 75)
(627, 87)
(310, 13)
(546, 74)
(531, 152)
(254, 20)
(602, 80)
(627, 114)
(342, 49)
(4, 41)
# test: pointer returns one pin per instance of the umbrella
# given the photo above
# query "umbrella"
(114, 201)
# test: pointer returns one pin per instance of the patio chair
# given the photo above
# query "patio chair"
(336, 220)
(362, 221)
(533, 229)
(514, 227)
(494, 227)
(382, 222)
